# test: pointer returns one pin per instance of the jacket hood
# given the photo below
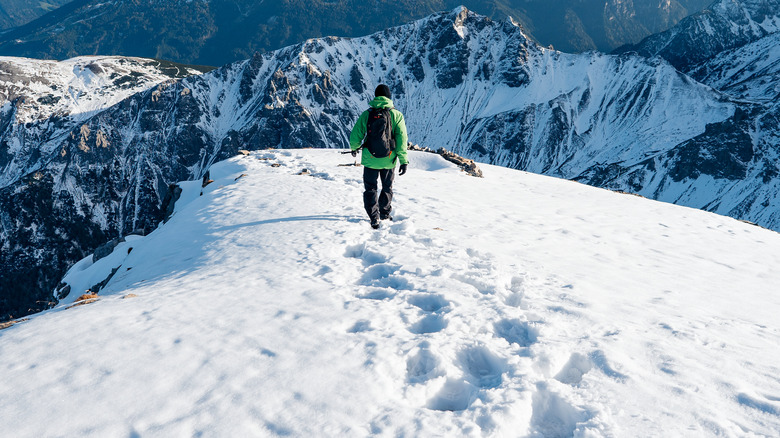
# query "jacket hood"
(381, 102)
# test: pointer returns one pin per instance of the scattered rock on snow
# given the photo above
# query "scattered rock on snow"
(465, 164)
(173, 194)
(106, 248)
(96, 288)
(63, 290)
(207, 179)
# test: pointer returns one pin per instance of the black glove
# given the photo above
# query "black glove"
(402, 169)
(354, 153)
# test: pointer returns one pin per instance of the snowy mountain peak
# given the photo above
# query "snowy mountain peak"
(264, 308)
(727, 24)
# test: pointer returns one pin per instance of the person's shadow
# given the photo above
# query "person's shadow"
(315, 217)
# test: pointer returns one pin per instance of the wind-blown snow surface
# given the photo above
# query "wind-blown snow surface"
(514, 305)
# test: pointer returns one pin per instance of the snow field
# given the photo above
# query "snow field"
(514, 305)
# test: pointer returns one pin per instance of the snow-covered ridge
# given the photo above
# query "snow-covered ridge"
(464, 82)
(78, 87)
(262, 308)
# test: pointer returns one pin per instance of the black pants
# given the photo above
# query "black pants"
(376, 206)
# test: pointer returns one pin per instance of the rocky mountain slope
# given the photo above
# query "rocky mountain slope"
(479, 87)
(750, 72)
(216, 32)
(732, 47)
(46, 222)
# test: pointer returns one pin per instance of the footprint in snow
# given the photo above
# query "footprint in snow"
(429, 302)
(767, 406)
(552, 415)
(363, 325)
(423, 365)
(368, 256)
(516, 332)
(379, 294)
(482, 368)
(267, 352)
(382, 275)
(377, 272)
(455, 395)
(432, 323)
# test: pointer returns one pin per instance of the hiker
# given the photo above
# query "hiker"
(381, 132)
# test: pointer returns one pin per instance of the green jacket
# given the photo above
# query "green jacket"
(399, 131)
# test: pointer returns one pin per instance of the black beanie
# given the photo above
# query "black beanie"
(382, 90)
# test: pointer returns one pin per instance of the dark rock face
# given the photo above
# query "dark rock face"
(723, 151)
(106, 249)
(43, 234)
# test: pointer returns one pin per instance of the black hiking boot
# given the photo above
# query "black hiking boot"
(375, 224)
(385, 217)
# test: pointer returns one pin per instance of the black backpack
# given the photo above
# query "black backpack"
(379, 141)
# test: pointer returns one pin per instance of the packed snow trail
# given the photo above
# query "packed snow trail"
(514, 305)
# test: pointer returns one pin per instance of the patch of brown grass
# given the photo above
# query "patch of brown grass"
(5, 325)
(89, 297)
(130, 296)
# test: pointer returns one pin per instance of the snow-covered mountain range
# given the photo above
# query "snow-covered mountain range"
(726, 24)
(266, 306)
(464, 82)
(216, 32)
